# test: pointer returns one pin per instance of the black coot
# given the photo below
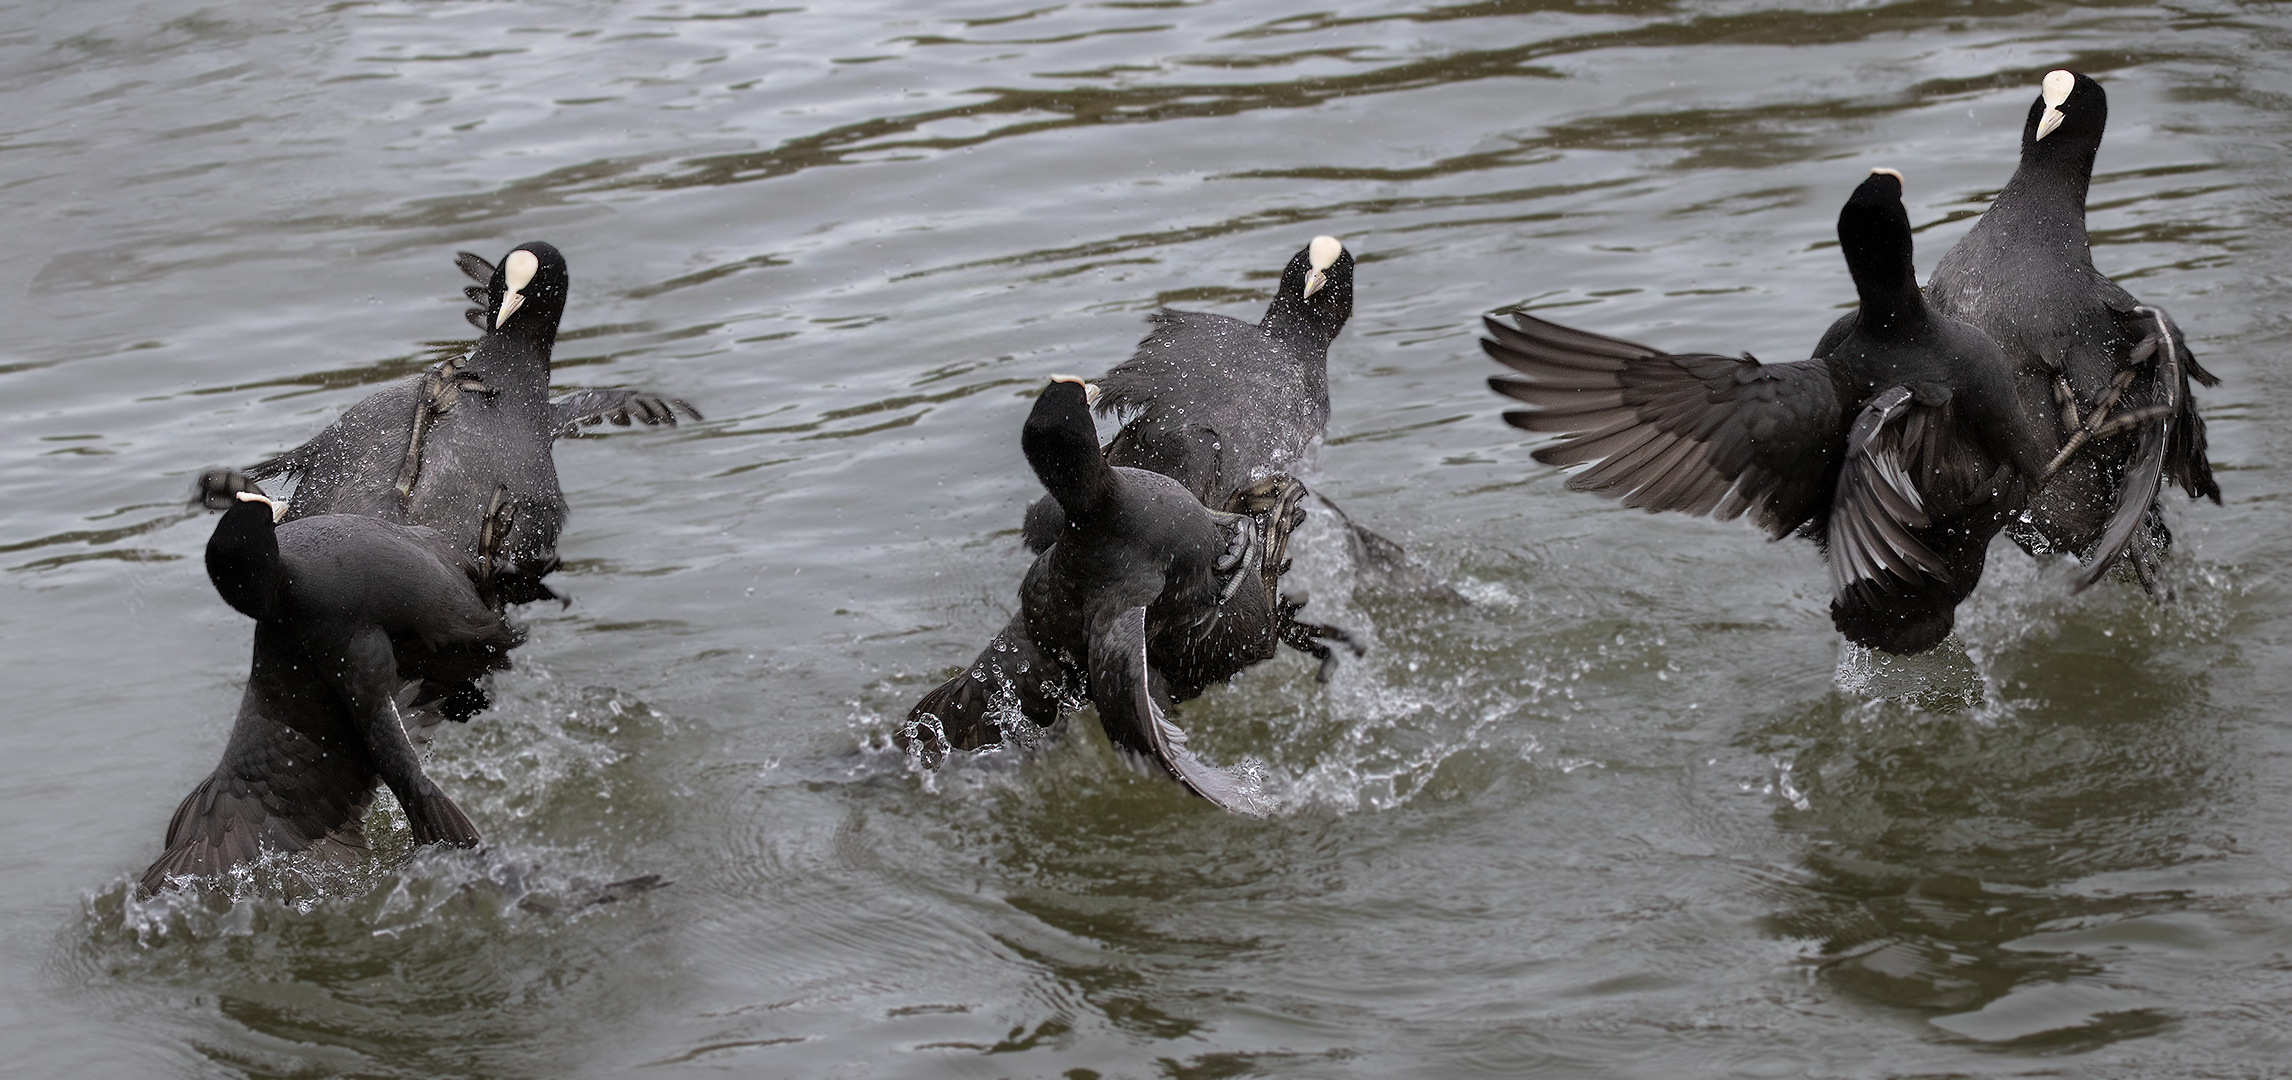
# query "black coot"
(465, 447)
(1219, 404)
(1143, 598)
(2120, 369)
(1901, 446)
(366, 634)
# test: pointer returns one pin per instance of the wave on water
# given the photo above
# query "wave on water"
(547, 773)
(1430, 705)
(414, 961)
(2023, 616)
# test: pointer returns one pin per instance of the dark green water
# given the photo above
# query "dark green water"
(1634, 812)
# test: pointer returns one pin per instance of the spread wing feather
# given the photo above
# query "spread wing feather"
(1876, 507)
(1122, 687)
(618, 406)
(1694, 433)
(2174, 430)
(475, 266)
(1011, 679)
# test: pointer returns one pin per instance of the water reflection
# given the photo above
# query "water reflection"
(1945, 844)
(496, 957)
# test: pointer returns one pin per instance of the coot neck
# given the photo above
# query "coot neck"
(2045, 200)
(1061, 445)
(1292, 318)
(1885, 281)
(514, 362)
(1291, 323)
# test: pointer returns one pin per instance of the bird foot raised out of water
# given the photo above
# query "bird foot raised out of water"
(2127, 421)
(1306, 637)
(2071, 419)
(2091, 429)
(1241, 542)
(493, 531)
(1278, 502)
(442, 387)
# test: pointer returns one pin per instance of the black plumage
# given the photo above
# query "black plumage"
(367, 633)
(466, 447)
(2025, 276)
(1219, 404)
(1901, 446)
(1144, 598)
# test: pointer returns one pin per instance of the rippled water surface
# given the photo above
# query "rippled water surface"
(1632, 811)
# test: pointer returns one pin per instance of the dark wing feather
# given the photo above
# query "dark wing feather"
(1130, 706)
(1876, 506)
(2145, 471)
(481, 293)
(2185, 449)
(618, 406)
(349, 467)
(366, 676)
(1695, 433)
(276, 789)
(1189, 452)
(1184, 350)
(227, 822)
(475, 266)
(302, 460)
(1010, 679)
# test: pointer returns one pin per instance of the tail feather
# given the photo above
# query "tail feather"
(220, 825)
(436, 820)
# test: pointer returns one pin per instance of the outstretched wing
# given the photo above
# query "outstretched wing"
(1872, 550)
(618, 406)
(1183, 351)
(1130, 706)
(1212, 403)
(278, 792)
(368, 682)
(2172, 441)
(1692, 432)
(1011, 676)
(480, 294)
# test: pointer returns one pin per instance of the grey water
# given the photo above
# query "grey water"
(1630, 811)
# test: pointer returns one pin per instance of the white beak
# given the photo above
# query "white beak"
(516, 273)
(2045, 124)
(1320, 255)
(1089, 389)
(278, 509)
(2056, 88)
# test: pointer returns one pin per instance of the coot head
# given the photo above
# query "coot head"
(1319, 280)
(527, 293)
(243, 552)
(2068, 115)
(1874, 234)
(1061, 444)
